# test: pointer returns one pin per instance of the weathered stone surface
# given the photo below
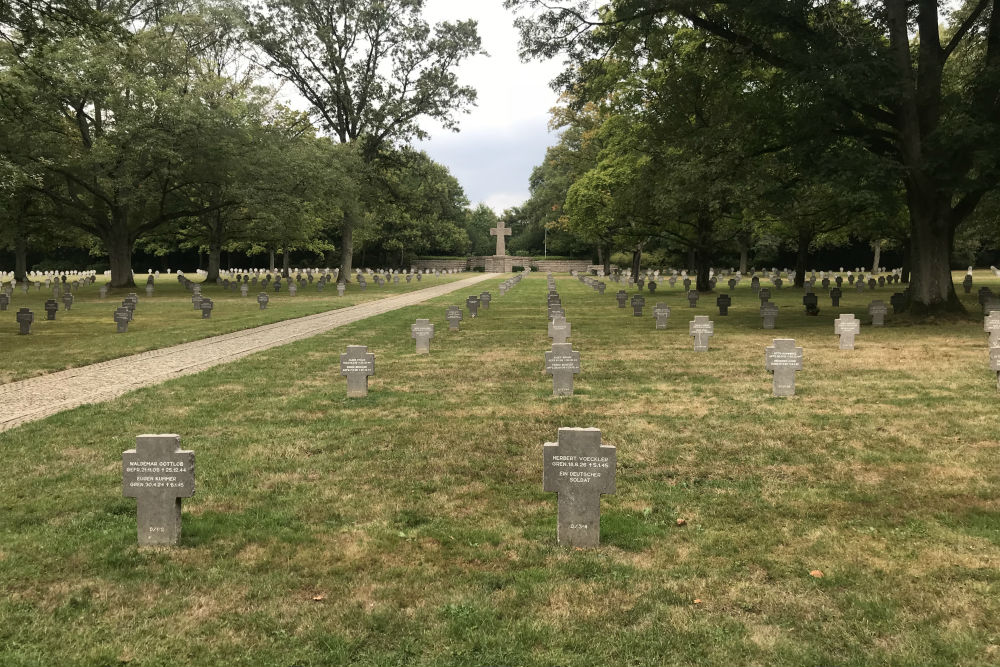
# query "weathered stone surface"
(702, 329)
(562, 363)
(422, 331)
(783, 359)
(847, 327)
(580, 469)
(661, 312)
(357, 365)
(559, 330)
(24, 319)
(878, 309)
(158, 473)
(991, 325)
(454, 316)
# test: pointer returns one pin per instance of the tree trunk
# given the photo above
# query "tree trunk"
(931, 240)
(692, 266)
(20, 255)
(744, 258)
(877, 246)
(600, 255)
(805, 238)
(703, 265)
(271, 260)
(214, 260)
(347, 247)
(607, 262)
(636, 260)
(286, 260)
(119, 246)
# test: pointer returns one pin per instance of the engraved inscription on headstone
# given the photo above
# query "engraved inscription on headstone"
(878, 309)
(562, 363)
(357, 365)
(122, 317)
(702, 329)
(580, 469)
(847, 327)
(662, 314)
(262, 300)
(472, 303)
(422, 331)
(158, 473)
(559, 330)
(454, 316)
(783, 359)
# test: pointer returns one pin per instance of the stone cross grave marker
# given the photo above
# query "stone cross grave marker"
(692, 297)
(991, 325)
(995, 363)
(768, 314)
(638, 302)
(454, 316)
(764, 294)
(723, 302)
(562, 363)
(847, 327)
(50, 309)
(835, 295)
(622, 297)
(24, 319)
(67, 300)
(811, 302)
(357, 365)
(472, 303)
(878, 309)
(292, 290)
(501, 232)
(340, 289)
(662, 313)
(244, 289)
(422, 331)
(580, 469)
(103, 291)
(122, 317)
(559, 330)
(206, 308)
(196, 301)
(4, 301)
(158, 473)
(149, 290)
(783, 359)
(702, 329)
(262, 300)
(967, 283)
(484, 300)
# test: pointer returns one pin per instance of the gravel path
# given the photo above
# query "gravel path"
(46, 395)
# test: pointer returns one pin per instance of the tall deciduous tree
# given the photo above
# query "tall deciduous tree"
(372, 71)
(908, 78)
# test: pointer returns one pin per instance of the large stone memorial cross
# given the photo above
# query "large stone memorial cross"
(580, 469)
(783, 359)
(702, 329)
(501, 232)
(847, 327)
(422, 331)
(562, 363)
(158, 473)
(357, 365)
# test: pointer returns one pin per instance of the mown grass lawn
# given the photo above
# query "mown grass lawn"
(411, 527)
(87, 333)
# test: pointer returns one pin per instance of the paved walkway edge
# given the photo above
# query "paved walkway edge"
(39, 397)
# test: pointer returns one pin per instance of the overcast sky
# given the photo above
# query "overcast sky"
(506, 134)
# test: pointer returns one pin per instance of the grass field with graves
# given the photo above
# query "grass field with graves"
(87, 333)
(410, 527)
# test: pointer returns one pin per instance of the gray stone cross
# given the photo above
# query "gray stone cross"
(454, 316)
(991, 325)
(422, 331)
(559, 330)
(769, 314)
(662, 313)
(4, 301)
(50, 309)
(122, 317)
(783, 359)
(847, 327)
(357, 365)
(262, 300)
(24, 319)
(878, 309)
(702, 329)
(206, 308)
(580, 469)
(501, 232)
(472, 303)
(562, 363)
(158, 473)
